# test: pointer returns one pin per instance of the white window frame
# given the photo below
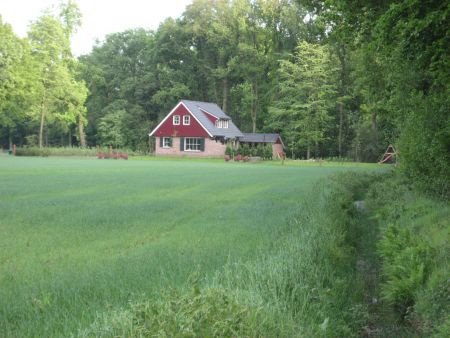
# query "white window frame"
(186, 120)
(222, 124)
(192, 142)
(167, 141)
(176, 120)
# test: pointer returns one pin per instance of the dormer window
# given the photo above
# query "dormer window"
(221, 123)
(186, 120)
(176, 120)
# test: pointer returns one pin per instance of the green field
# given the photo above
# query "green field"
(80, 237)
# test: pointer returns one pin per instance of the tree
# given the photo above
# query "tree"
(122, 73)
(62, 96)
(18, 81)
(305, 96)
(110, 129)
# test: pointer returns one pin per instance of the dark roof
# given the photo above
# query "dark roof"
(197, 108)
(259, 138)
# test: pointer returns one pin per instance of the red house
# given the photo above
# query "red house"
(196, 128)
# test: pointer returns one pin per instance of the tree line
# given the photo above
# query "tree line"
(336, 78)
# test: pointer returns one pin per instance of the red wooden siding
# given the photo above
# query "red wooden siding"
(193, 130)
(210, 117)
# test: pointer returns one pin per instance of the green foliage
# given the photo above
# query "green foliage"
(401, 75)
(413, 251)
(424, 145)
(367, 145)
(268, 153)
(244, 150)
(111, 129)
(196, 313)
(33, 151)
(405, 259)
(228, 150)
(18, 82)
(60, 95)
(306, 94)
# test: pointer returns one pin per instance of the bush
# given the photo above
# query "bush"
(228, 151)
(33, 151)
(405, 258)
(260, 151)
(245, 150)
(268, 154)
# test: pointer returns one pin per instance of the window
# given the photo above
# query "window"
(167, 142)
(193, 144)
(186, 120)
(176, 120)
(222, 123)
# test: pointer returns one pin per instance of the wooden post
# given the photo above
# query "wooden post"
(14, 150)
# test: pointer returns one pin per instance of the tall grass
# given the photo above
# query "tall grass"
(303, 283)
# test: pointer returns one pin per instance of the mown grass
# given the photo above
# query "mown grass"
(80, 237)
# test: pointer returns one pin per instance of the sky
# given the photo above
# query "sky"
(100, 17)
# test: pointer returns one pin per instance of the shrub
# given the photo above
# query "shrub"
(413, 253)
(405, 258)
(268, 155)
(260, 151)
(32, 151)
(228, 151)
(73, 151)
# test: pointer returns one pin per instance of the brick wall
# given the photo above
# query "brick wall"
(276, 149)
(212, 149)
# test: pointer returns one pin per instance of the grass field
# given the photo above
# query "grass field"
(82, 236)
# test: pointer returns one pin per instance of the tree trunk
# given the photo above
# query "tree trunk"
(41, 127)
(70, 137)
(374, 120)
(10, 140)
(81, 133)
(254, 106)
(308, 152)
(225, 94)
(341, 121)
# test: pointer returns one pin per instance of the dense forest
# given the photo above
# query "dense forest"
(336, 78)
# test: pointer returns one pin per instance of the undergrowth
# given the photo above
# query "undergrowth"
(413, 250)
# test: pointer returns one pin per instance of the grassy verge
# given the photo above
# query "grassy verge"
(413, 252)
